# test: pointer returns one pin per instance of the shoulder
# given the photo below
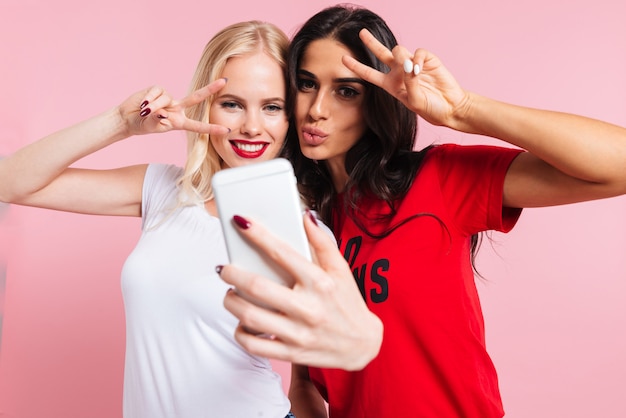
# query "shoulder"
(163, 172)
(455, 159)
(160, 188)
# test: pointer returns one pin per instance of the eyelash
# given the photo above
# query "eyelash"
(230, 105)
(345, 92)
(271, 108)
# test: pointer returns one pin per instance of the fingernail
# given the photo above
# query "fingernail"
(145, 112)
(226, 79)
(241, 222)
(408, 66)
(144, 104)
(311, 217)
(161, 117)
(218, 268)
(416, 69)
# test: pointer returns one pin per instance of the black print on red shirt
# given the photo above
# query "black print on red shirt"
(372, 276)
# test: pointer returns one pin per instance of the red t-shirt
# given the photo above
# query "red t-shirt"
(420, 283)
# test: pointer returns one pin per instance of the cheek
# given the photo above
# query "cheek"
(351, 120)
(225, 119)
(302, 107)
(218, 141)
(278, 128)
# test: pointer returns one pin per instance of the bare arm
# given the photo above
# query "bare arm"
(570, 158)
(306, 401)
(39, 174)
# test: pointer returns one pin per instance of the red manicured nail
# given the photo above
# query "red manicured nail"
(241, 222)
(311, 217)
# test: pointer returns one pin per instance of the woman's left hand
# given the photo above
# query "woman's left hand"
(418, 80)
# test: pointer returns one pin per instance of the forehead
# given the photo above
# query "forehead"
(325, 53)
(256, 71)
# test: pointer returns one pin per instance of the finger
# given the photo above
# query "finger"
(155, 102)
(378, 49)
(284, 255)
(323, 246)
(259, 288)
(265, 347)
(263, 321)
(150, 95)
(203, 93)
(419, 60)
(204, 128)
(153, 99)
(366, 72)
(415, 64)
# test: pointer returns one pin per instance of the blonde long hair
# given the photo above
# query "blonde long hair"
(233, 41)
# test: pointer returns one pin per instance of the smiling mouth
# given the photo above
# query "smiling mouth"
(248, 147)
(249, 150)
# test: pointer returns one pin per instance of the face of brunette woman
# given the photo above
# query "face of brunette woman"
(329, 105)
(252, 105)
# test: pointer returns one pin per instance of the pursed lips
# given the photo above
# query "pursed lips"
(313, 135)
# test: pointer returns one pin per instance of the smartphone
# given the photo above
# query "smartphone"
(266, 192)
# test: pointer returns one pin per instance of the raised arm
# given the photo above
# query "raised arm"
(39, 174)
(570, 158)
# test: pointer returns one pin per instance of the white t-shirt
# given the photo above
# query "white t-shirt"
(181, 357)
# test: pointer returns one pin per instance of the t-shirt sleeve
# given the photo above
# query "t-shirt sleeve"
(472, 184)
(160, 192)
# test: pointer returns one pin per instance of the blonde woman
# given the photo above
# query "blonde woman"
(181, 358)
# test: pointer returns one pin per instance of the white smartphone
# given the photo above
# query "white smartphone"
(266, 192)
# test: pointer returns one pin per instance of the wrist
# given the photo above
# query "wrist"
(369, 346)
(118, 124)
(463, 115)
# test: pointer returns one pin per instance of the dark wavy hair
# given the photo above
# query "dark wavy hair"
(383, 163)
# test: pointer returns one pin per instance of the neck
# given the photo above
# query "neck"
(338, 173)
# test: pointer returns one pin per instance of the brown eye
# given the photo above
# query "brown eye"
(305, 84)
(348, 92)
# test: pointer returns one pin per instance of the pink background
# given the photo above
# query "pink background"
(554, 295)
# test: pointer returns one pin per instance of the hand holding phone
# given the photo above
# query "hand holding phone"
(266, 192)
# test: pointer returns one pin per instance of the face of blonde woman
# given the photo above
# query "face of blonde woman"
(252, 105)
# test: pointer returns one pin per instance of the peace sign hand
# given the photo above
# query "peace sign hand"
(154, 111)
(419, 81)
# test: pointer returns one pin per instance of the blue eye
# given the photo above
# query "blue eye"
(273, 108)
(230, 105)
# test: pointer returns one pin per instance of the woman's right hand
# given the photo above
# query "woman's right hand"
(153, 110)
(322, 321)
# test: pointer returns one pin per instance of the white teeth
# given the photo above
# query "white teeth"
(249, 147)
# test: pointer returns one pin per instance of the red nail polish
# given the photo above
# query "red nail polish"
(241, 222)
(144, 104)
(311, 217)
(145, 112)
(219, 268)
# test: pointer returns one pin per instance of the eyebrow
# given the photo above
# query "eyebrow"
(229, 96)
(336, 80)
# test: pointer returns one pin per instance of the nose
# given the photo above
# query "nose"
(252, 125)
(319, 106)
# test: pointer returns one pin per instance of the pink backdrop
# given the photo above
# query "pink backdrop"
(554, 295)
